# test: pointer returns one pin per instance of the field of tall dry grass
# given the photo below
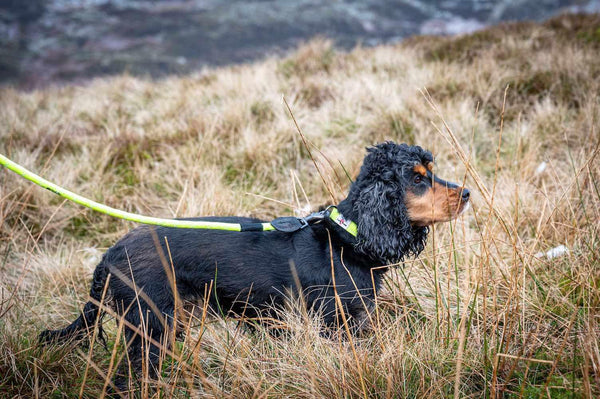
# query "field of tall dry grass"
(494, 307)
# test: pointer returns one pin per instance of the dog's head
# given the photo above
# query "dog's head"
(396, 196)
(429, 199)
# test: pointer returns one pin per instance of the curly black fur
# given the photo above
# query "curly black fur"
(376, 203)
(251, 271)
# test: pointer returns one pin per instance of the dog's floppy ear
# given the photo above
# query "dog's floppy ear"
(384, 230)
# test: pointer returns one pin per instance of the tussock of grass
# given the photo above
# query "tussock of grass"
(477, 314)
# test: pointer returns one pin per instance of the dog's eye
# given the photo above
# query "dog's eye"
(418, 179)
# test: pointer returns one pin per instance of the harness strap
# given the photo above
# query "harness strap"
(341, 221)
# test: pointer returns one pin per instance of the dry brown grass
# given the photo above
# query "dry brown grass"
(478, 314)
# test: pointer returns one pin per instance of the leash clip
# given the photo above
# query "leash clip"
(289, 224)
(315, 217)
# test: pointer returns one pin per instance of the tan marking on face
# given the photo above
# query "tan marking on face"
(430, 166)
(438, 204)
(420, 169)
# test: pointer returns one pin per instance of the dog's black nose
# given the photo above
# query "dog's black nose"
(465, 194)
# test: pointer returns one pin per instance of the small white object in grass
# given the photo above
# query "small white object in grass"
(541, 167)
(554, 252)
(93, 255)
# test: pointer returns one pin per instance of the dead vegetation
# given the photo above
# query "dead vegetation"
(481, 313)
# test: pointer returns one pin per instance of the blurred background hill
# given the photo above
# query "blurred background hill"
(59, 41)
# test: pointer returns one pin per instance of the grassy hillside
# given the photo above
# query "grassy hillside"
(514, 110)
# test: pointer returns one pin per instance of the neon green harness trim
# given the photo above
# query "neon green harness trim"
(341, 221)
(186, 224)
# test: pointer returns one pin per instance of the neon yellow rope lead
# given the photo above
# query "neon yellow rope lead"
(186, 224)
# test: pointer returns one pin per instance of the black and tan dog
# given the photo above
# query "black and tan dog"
(391, 204)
